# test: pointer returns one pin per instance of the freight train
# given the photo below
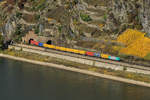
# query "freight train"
(76, 51)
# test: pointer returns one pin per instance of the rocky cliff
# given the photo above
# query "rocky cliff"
(73, 21)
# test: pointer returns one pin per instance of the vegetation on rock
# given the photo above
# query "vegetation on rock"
(85, 17)
(1, 41)
(68, 22)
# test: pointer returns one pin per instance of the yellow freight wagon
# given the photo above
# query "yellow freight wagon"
(45, 45)
(104, 56)
(75, 51)
(69, 50)
(51, 46)
(82, 52)
(62, 49)
(57, 48)
(72, 50)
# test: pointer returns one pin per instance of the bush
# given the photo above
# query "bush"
(41, 7)
(105, 17)
(36, 31)
(85, 17)
(37, 17)
(60, 29)
(18, 15)
(18, 29)
(19, 33)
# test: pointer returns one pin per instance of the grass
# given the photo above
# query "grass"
(38, 57)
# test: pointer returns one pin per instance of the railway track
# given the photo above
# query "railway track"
(84, 57)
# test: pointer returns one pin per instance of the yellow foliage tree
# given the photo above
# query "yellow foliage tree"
(136, 43)
(130, 36)
(140, 47)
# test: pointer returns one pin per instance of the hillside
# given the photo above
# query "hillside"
(92, 24)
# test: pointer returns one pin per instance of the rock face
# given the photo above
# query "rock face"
(67, 21)
(131, 14)
(144, 14)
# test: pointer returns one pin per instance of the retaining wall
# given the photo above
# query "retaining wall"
(84, 61)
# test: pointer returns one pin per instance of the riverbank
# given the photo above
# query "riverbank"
(122, 76)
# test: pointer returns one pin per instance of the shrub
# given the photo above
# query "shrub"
(85, 17)
(41, 7)
(60, 29)
(105, 17)
(18, 29)
(37, 17)
(18, 15)
(36, 31)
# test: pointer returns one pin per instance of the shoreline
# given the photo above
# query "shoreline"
(82, 71)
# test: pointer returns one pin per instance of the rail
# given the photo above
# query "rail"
(83, 57)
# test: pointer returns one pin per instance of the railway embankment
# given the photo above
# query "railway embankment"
(84, 60)
(85, 66)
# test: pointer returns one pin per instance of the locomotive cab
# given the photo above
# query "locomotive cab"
(30, 40)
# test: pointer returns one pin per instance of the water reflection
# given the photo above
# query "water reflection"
(24, 81)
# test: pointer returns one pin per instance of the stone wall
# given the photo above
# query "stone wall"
(86, 61)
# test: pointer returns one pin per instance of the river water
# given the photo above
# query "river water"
(25, 81)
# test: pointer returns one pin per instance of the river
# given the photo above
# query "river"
(25, 81)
